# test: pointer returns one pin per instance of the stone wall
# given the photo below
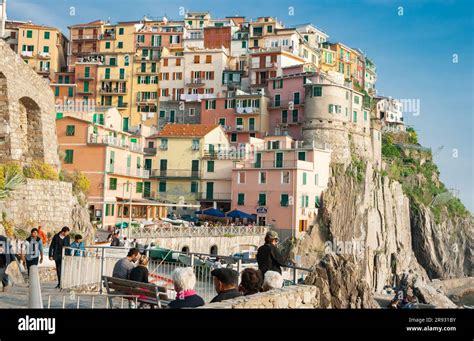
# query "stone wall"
(181, 116)
(225, 245)
(293, 297)
(43, 202)
(27, 115)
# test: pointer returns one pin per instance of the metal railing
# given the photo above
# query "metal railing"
(114, 141)
(170, 231)
(98, 261)
(175, 173)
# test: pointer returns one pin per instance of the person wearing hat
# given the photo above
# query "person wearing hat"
(268, 256)
(226, 282)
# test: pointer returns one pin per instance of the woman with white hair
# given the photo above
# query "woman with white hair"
(272, 280)
(184, 282)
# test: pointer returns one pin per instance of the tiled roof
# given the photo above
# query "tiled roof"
(184, 130)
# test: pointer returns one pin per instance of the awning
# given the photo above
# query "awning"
(212, 212)
(236, 214)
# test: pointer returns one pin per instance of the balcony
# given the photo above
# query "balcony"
(150, 151)
(86, 37)
(291, 164)
(90, 60)
(114, 142)
(214, 196)
(140, 59)
(85, 76)
(122, 105)
(28, 54)
(107, 36)
(119, 78)
(127, 171)
(140, 71)
(175, 173)
(44, 55)
(247, 110)
(194, 82)
(285, 104)
(113, 91)
(84, 91)
(147, 100)
(84, 50)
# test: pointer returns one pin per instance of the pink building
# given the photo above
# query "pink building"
(282, 185)
(242, 116)
(286, 94)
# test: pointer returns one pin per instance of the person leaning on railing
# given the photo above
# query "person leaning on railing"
(268, 256)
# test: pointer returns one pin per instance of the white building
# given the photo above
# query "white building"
(389, 111)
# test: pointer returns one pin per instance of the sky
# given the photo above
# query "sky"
(423, 50)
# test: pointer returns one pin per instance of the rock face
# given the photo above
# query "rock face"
(375, 215)
(340, 282)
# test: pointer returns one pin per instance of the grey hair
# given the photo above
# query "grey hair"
(272, 280)
(184, 278)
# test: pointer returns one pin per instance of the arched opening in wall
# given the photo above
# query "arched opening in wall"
(213, 250)
(185, 249)
(4, 120)
(31, 130)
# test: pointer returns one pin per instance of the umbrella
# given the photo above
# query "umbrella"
(122, 225)
(212, 212)
(240, 215)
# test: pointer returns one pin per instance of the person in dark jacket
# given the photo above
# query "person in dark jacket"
(252, 281)
(115, 239)
(59, 241)
(226, 283)
(34, 249)
(6, 257)
(186, 297)
(268, 256)
(140, 272)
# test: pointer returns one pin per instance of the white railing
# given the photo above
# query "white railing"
(170, 231)
(127, 171)
(115, 141)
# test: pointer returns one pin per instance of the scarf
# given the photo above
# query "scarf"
(185, 293)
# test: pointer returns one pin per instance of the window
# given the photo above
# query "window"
(194, 187)
(112, 183)
(304, 201)
(270, 29)
(284, 116)
(196, 59)
(210, 166)
(192, 111)
(277, 100)
(241, 199)
(162, 113)
(258, 161)
(164, 144)
(210, 104)
(294, 115)
(29, 34)
(107, 45)
(162, 186)
(233, 137)
(278, 84)
(356, 99)
(262, 178)
(45, 49)
(284, 200)
(262, 199)
(355, 116)
(139, 187)
(121, 31)
(241, 177)
(208, 59)
(302, 156)
(365, 115)
(70, 92)
(285, 177)
(317, 203)
(69, 158)
(56, 91)
(120, 45)
(296, 98)
(305, 178)
(244, 44)
(279, 160)
(70, 130)
(317, 91)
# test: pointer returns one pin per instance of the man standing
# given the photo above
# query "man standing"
(115, 239)
(226, 282)
(33, 249)
(123, 266)
(59, 241)
(268, 256)
(6, 257)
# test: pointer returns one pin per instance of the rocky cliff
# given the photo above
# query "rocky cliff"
(395, 220)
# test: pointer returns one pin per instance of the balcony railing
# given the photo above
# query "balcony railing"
(283, 164)
(115, 142)
(112, 91)
(146, 100)
(114, 77)
(175, 173)
(215, 196)
(128, 171)
(84, 76)
(286, 103)
(247, 110)
(27, 54)
(150, 151)
(44, 55)
(194, 81)
(146, 58)
(107, 35)
(86, 37)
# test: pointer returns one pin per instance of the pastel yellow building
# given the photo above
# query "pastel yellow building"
(186, 167)
(43, 48)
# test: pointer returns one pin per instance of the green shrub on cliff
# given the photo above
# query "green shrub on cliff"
(80, 183)
(41, 171)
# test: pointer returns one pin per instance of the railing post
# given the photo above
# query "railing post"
(192, 260)
(294, 276)
(101, 270)
(239, 264)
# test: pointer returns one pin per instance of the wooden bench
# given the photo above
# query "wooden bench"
(151, 294)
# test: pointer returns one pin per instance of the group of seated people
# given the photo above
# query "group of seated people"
(226, 284)
(134, 267)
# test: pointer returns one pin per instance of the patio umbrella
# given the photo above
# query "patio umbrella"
(121, 225)
(212, 212)
(236, 214)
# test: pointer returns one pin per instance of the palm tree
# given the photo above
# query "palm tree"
(12, 182)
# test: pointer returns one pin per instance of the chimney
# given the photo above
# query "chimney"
(3, 18)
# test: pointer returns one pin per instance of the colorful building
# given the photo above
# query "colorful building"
(282, 186)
